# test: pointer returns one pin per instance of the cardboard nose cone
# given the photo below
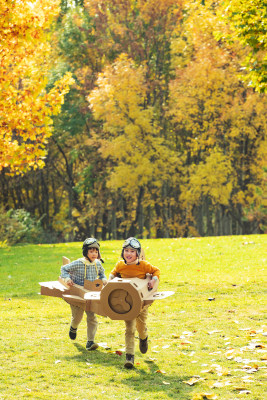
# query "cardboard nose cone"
(120, 301)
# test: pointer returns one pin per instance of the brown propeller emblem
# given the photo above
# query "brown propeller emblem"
(120, 301)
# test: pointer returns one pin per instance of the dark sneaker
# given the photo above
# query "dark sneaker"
(90, 345)
(73, 333)
(143, 345)
(129, 363)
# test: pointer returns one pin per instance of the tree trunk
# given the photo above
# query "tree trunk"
(113, 220)
(200, 219)
(208, 213)
(139, 219)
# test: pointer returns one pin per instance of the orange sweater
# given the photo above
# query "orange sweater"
(135, 270)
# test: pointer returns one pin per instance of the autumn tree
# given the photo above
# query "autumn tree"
(25, 105)
(143, 31)
(172, 142)
(247, 19)
(130, 137)
(222, 125)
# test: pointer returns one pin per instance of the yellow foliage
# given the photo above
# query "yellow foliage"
(213, 178)
(120, 96)
(25, 107)
(221, 123)
(131, 138)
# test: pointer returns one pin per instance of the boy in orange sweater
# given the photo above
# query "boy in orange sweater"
(132, 266)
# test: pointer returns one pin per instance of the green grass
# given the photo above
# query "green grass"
(219, 341)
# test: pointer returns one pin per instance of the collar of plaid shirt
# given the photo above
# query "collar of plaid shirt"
(87, 262)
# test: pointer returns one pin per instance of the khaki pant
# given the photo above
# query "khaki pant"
(140, 324)
(77, 315)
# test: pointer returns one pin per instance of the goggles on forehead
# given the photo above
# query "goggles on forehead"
(90, 241)
(134, 243)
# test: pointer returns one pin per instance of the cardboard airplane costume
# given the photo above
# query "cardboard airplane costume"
(119, 299)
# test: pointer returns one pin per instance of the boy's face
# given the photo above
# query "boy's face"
(92, 254)
(130, 255)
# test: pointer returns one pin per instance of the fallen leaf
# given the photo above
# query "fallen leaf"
(215, 331)
(251, 371)
(187, 333)
(104, 346)
(218, 369)
(254, 344)
(207, 371)
(252, 333)
(224, 372)
(220, 384)
(165, 383)
(217, 385)
(232, 353)
(185, 342)
(197, 396)
(254, 366)
(119, 352)
(160, 372)
(247, 379)
(192, 381)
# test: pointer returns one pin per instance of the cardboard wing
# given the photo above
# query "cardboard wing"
(119, 299)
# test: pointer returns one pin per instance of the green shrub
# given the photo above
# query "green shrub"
(18, 226)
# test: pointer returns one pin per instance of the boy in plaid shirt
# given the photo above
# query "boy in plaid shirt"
(89, 267)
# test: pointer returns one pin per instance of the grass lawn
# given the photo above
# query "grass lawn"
(207, 341)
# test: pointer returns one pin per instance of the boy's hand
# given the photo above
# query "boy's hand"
(69, 282)
(151, 284)
(111, 276)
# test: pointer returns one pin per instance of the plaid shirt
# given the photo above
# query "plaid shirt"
(76, 271)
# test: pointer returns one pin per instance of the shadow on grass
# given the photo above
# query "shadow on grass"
(140, 379)
(154, 381)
